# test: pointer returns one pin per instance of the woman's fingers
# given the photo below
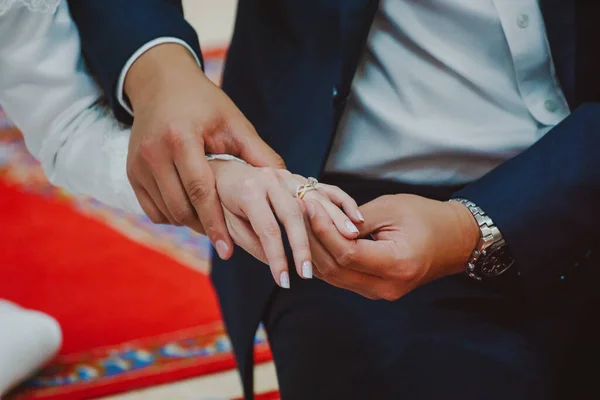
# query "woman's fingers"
(258, 211)
(290, 213)
(343, 201)
(339, 218)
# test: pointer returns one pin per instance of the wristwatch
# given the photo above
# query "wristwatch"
(492, 257)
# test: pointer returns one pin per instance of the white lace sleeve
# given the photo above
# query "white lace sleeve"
(48, 94)
(40, 6)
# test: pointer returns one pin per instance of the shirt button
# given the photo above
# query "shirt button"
(523, 21)
(550, 106)
(336, 92)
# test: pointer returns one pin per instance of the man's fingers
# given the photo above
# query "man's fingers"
(265, 225)
(362, 255)
(327, 269)
(199, 184)
(147, 181)
(243, 235)
(289, 212)
(172, 191)
(150, 208)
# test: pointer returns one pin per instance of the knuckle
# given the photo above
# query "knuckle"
(319, 228)
(406, 271)
(249, 185)
(147, 150)
(250, 191)
(215, 129)
(173, 138)
(269, 173)
(285, 174)
(198, 191)
(271, 230)
(157, 217)
(182, 215)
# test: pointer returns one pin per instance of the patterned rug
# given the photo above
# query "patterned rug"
(133, 298)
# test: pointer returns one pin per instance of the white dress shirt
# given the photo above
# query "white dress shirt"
(46, 91)
(447, 90)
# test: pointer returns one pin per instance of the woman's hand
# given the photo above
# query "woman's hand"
(255, 199)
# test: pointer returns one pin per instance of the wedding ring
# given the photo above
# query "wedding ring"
(307, 187)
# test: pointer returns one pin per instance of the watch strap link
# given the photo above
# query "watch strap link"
(490, 235)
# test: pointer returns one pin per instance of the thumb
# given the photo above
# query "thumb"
(375, 218)
(256, 151)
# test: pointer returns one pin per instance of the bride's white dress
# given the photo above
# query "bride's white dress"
(46, 91)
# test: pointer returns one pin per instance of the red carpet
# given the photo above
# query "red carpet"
(131, 317)
(133, 299)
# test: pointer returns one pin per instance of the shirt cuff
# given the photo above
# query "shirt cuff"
(121, 82)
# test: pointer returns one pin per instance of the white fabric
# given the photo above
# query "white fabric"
(448, 90)
(46, 91)
(28, 339)
(42, 6)
(153, 43)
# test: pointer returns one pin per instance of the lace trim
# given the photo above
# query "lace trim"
(39, 6)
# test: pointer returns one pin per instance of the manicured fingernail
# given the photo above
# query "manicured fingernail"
(222, 249)
(310, 208)
(284, 280)
(307, 269)
(360, 216)
(351, 227)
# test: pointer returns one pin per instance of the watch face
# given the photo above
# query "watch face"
(497, 261)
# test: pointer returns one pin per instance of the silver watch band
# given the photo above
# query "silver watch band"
(490, 234)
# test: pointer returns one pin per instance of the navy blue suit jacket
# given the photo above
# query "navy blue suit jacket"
(289, 69)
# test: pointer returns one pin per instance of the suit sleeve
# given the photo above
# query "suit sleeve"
(546, 203)
(113, 30)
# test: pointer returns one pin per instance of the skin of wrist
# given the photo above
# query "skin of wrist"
(464, 233)
(158, 70)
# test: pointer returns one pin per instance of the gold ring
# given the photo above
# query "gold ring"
(307, 187)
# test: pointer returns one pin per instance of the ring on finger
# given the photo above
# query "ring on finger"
(307, 187)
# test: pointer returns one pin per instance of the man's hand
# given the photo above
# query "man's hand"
(415, 240)
(179, 115)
